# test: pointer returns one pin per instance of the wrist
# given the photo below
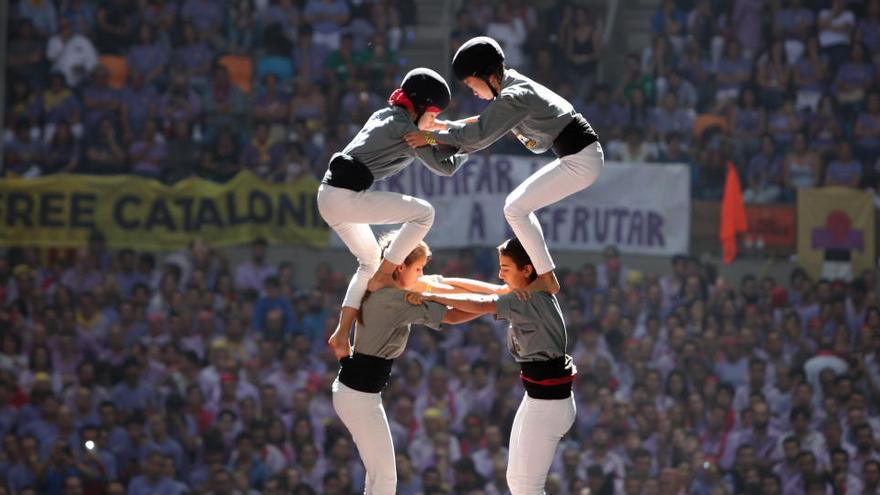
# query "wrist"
(429, 137)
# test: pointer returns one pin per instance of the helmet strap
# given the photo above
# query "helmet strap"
(491, 88)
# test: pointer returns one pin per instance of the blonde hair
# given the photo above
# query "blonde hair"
(420, 251)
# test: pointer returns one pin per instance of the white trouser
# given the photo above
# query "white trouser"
(364, 416)
(556, 180)
(538, 427)
(351, 213)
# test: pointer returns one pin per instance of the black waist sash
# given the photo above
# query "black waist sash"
(365, 373)
(577, 135)
(348, 172)
(548, 379)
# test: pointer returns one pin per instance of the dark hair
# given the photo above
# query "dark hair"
(514, 250)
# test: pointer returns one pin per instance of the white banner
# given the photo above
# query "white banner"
(640, 208)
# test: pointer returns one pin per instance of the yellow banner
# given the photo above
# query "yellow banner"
(835, 231)
(61, 210)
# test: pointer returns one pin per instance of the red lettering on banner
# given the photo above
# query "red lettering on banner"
(777, 225)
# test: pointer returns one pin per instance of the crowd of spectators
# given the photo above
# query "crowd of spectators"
(124, 372)
(168, 89)
(785, 89)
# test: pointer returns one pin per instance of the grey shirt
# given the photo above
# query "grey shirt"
(386, 322)
(532, 112)
(537, 330)
(380, 146)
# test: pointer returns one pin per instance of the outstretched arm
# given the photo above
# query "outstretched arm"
(454, 317)
(470, 303)
(441, 159)
(476, 286)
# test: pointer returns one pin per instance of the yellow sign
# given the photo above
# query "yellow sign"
(61, 211)
(835, 231)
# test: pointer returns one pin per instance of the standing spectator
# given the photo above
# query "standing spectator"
(836, 27)
(867, 130)
(220, 162)
(732, 72)
(826, 126)
(71, 54)
(783, 123)
(160, 15)
(844, 170)
(669, 21)
(100, 101)
(180, 102)
(671, 118)
(327, 17)
(240, 27)
(746, 18)
(773, 75)
(193, 58)
(869, 31)
(59, 103)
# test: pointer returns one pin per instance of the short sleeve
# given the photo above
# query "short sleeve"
(428, 313)
(505, 306)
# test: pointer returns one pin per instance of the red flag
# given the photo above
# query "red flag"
(733, 214)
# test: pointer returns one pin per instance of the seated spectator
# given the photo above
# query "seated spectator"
(633, 149)
(639, 114)
(670, 21)
(605, 115)
(262, 155)
(63, 152)
(732, 72)
(674, 150)
(701, 24)
(220, 162)
(183, 153)
(105, 152)
(381, 61)
(764, 176)
(773, 75)
(836, 25)
(115, 29)
(194, 57)
(71, 54)
(223, 103)
(793, 25)
(24, 154)
(308, 103)
(327, 17)
(147, 152)
(309, 58)
(809, 75)
(659, 58)
(671, 118)
(634, 79)
(825, 126)
(510, 31)
(844, 169)
(180, 102)
(345, 63)
(59, 103)
(853, 80)
(241, 26)
(783, 123)
(26, 53)
(868, 31)
(100, 101)
(161, 15)
(149, 56)
(270, 301)
(42, 15)
(207, 16)
(684, 90)
(749, 122)
(867, 130)
(139, 105)
(801, 167)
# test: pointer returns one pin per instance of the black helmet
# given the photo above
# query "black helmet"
(426, 88)
(478, 57)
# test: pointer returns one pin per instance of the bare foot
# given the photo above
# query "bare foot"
(380, 280)
(340, 344)
(546, 283)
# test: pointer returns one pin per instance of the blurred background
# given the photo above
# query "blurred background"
(167, 285)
